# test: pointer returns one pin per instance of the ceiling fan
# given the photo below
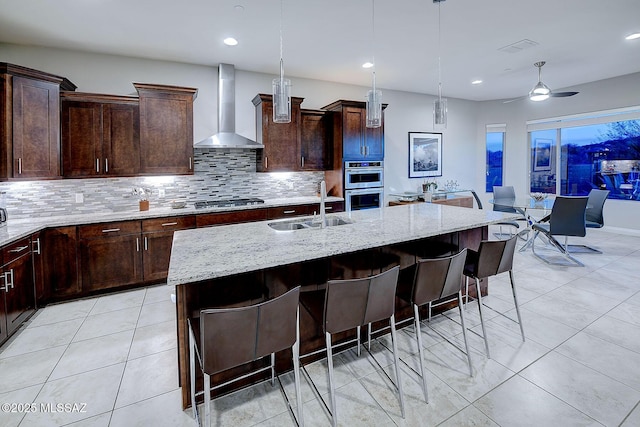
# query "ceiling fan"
(540, 91)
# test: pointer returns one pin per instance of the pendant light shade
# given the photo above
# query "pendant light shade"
(540, 91)
(440, 104)
(374, 96)
(281, 88)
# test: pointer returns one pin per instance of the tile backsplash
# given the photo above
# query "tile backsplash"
(218, 174)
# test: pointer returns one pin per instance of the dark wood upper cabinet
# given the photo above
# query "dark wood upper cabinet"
(315, 146)
(281, 140)
(30, 122)
(351, 134)
(100, 135)
(166, 129)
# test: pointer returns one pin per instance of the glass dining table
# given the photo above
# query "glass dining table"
(524, 205)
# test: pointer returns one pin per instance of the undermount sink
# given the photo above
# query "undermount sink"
(304, 223)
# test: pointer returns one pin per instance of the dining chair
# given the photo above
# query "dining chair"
(503, 199)
(594, 218)
(567, 218)
(493, 257)
(435, 280)
(225, 338)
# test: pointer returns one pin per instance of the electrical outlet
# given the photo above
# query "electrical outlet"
(161, 193)
(79, 198)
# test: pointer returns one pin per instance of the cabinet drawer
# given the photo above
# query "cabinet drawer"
(169, 223)
(293, 210)
(205, 220)
(15, 250)
(109, 229)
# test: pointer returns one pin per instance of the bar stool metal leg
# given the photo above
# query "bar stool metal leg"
(464, 332)
(192, 372)
(392, 324)
(515, 300)
(416, 318)
(296, 370)
(484, 331)
(332, 393)
(207, 400)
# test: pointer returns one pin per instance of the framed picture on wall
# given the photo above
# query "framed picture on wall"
(542, 155)
(425, 154)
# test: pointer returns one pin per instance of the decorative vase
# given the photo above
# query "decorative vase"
(427, 196)
(144, 205)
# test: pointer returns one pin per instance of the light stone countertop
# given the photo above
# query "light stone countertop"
(208, 253)
(19, 228)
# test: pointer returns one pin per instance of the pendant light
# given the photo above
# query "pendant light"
(374, 96)
(440, 104)
(281, 88)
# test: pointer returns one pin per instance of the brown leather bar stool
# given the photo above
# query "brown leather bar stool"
(492, 258)
(352, 303)
(435, 280)
(225, 338)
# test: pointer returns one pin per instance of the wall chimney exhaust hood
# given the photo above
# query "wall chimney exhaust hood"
(227, 136)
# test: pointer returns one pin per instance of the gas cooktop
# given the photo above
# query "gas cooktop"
(227, 203)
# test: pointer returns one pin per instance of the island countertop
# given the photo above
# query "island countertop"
(209, 253)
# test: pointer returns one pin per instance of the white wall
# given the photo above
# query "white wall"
(607, 94)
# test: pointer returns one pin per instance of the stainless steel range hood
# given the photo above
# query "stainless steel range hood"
(227, 136)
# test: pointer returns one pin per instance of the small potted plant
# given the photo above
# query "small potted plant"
(426, 189)
(143, 196)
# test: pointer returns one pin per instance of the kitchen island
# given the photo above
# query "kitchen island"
(241, 263)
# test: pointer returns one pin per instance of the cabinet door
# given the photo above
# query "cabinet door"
(110, 261)
(157, 240)
(19, 299)
(353, 134)
(121, 139)
(157, 252)
(58, 253)
(313, 140)
(374, 143)
(36, 128)
(280, 142)
(166, 133)
(81, 139)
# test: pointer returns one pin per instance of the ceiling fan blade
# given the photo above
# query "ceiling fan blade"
(563, 94)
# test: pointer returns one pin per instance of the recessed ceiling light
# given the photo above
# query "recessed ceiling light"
(367, 65)
(230, 41)
(476, 82)
(633, 36)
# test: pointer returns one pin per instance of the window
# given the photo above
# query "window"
(593, 152)
(494, 156)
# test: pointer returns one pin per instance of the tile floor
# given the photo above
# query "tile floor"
(580, 366)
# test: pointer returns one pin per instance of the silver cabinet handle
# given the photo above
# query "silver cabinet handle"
(19, 249)
(37, 242)
(19, 165)
(146, 243)
(328, 208)
(137, 244)
(106, 165)
(8, 281)
(110, 230)
(302, 162)
(169, 224)
(97, 165)
(266, 162)
(190, 166)
(289, 212)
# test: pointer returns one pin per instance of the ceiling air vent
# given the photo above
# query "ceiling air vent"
(518, 46)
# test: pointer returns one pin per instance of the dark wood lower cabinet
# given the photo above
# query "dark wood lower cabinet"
(55, 257)
(16, 287)
(110, 261)
(157, 239)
